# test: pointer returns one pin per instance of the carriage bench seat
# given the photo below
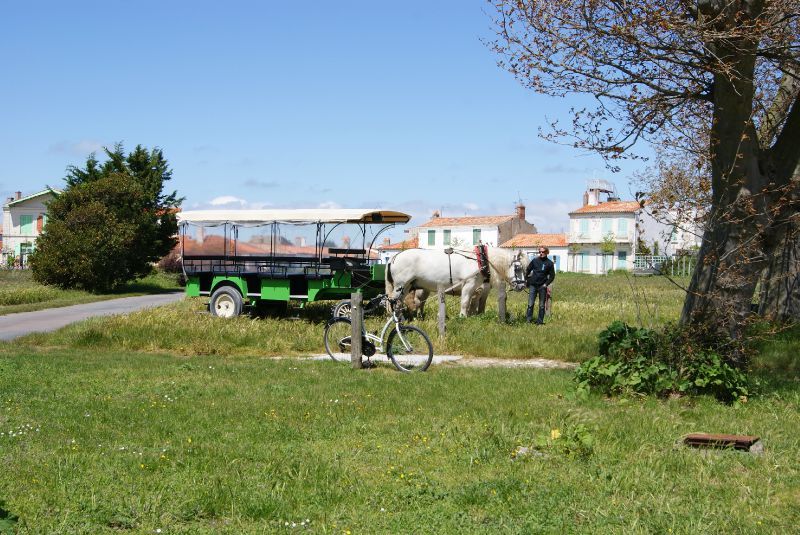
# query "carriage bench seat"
(347, 252)
(343, 262)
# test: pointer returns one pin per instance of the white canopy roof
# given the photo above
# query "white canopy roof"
(311, 215)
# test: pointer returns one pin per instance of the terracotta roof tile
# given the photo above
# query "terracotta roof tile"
(412, 243)
(487, 220)
(535, 240)
(609, 207)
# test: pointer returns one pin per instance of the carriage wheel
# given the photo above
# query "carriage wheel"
(342, 309)
(416, 356)
(226, 302)
(338, 333)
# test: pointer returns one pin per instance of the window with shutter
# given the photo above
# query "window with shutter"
(26, 225)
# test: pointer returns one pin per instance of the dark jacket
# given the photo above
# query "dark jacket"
(540, 271)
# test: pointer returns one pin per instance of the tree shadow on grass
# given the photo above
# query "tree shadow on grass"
(777, 366)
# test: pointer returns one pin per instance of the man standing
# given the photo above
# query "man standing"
(538, 276)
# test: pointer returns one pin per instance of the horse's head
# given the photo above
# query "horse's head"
(515, 275)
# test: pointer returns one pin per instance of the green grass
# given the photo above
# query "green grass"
(171, 419)
(110, 441)
(583, 306)
(19, 293)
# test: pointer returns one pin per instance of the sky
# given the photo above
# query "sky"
(352, 104)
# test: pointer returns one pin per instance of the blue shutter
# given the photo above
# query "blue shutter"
(476, 236)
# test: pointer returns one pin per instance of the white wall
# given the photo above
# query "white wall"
(595, 232)
(561, 252)
(671, 238)
(12, 215)
(462, 234)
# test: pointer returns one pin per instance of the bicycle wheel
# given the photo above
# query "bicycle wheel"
(412, 353)
(342, 309)
(338, 333)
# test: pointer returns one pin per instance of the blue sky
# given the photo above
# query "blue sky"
(286, 104)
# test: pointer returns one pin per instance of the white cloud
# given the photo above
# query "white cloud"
(226, 200)
(471, 206)
(329, 204)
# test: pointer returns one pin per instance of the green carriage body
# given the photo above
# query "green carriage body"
(276, 271)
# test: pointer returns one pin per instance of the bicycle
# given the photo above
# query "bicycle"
(408, 347)
(374, 306)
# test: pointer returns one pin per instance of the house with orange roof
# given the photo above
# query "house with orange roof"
(442, 232)
(604, 234)
(388, 249)
(530, 243)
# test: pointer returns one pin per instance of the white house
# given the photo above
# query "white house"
(441, 232)
(23, 221)
(605, 234)
(530, 243)
(602, 236)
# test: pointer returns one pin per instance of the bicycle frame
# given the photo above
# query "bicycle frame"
(392, 322)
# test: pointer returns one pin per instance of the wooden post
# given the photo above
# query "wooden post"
(357, 323)
(442, 312)
(501, 302)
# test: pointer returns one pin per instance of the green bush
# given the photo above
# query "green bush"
(662, 363)
(99, 237)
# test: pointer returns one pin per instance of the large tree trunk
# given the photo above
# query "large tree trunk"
(780, 285)
(730, 258)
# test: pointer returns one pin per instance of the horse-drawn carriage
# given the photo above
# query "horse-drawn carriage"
(255, 257)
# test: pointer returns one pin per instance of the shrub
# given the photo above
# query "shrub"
(99, 237)
(672, 361)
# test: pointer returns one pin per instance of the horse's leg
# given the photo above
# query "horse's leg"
(422, 296)
(467, 293)
(484, 296)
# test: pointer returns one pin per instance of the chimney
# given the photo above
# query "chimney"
(585, 198)
(346, 242)
(17, 195)
(521, 211)
(436, 214)
(299, 241)
(387, 241)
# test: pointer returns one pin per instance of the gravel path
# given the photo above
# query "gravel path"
(482, 362)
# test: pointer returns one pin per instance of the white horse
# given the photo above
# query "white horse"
(458, 272)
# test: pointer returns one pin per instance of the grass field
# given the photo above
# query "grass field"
(175, 421)
(18, 292)
(112, 441)
(583, 305)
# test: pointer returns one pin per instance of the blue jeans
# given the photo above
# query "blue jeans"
(541, 291)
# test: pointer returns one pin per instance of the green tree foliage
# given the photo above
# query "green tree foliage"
(672, 361)
(110, 223)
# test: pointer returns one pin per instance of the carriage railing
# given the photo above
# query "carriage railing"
(276, 266)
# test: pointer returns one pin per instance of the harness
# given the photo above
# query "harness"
(481, 256)
(483, 262)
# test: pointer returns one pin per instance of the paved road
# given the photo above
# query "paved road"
(14, 325)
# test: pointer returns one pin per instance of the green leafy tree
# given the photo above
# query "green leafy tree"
(110, 223)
